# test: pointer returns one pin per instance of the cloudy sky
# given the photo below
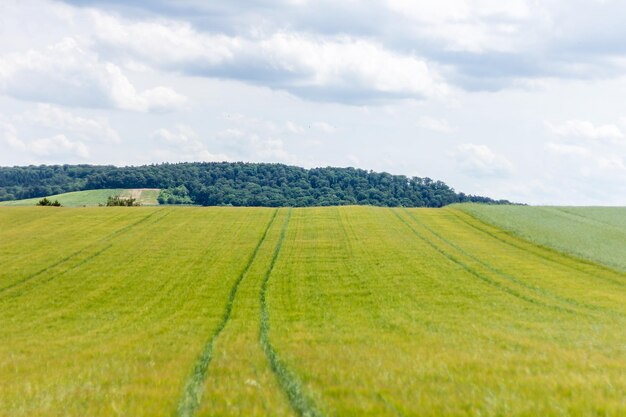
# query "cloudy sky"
(516, 99)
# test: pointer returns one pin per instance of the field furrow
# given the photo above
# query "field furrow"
(240, 381)
(96, 248)
(593, 233)
(479, 255)
(472, 266)
(192, 395)
(421, 335)
(289, 381)
(577, 274)
(132, 319)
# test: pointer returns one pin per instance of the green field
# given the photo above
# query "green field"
(594, 233)
(351, 311)
(146, 197)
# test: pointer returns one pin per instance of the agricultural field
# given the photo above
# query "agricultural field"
(89, 198)
(335, 311)
(144, 196)
(594, 233)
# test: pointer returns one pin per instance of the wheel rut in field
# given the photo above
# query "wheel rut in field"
(192, 395)
(511, 278)
(621, 281)
(578, 217)
(301, 403)
(86, 297)
(73, 255)
(494, 283)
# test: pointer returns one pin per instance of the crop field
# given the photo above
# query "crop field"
(336, 311)
(594, 233)
(145, 196)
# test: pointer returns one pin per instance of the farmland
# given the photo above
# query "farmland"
(333, 311)
(146, 197)
(594, 233)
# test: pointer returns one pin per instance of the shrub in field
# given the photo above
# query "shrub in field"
(119, 201)
(46, 202)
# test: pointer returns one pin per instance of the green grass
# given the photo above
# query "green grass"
(594, 233)
(147, 197)
(181, 311)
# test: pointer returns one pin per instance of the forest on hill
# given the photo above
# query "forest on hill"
(237, 184)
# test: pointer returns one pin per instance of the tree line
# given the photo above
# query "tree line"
(237, 184)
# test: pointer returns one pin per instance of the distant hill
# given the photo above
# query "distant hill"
(145, 197)
(237, 184)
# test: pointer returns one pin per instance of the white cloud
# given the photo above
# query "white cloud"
(58, 145)
(612, 162)
(354, 65)
(69, 72)
(459, 10)
(9, 134)
(320, 67)
(436, 125)
(563, 149)
(587, 130)
(184, 145)
(481, 161)
(182, 135)
(294, 128)
(125, 96)
(167, 42)
(257, 139)
(325, 127)
(353, 160)
(55, 146)
(599, 165)
(250, 122)
(473, 25)
(230, 132)
(598, 148)
(56, 118)
(269, 149)
(488, 44)
(464, 25)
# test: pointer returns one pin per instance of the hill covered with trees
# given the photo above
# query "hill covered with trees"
(237, 184)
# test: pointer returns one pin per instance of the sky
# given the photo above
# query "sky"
(520, 99)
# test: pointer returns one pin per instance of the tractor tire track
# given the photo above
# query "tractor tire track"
(301, 403)
(578, 217)
(486, 279)
(65, 271)
(536, 289)
(550, 250)
(192, 395)
(138, 311)
(80, 251)
(164, 291)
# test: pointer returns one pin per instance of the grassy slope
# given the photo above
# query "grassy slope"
(122, 308)
(368, 311)
(92, 197)
(594, 233)
(392, 312)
